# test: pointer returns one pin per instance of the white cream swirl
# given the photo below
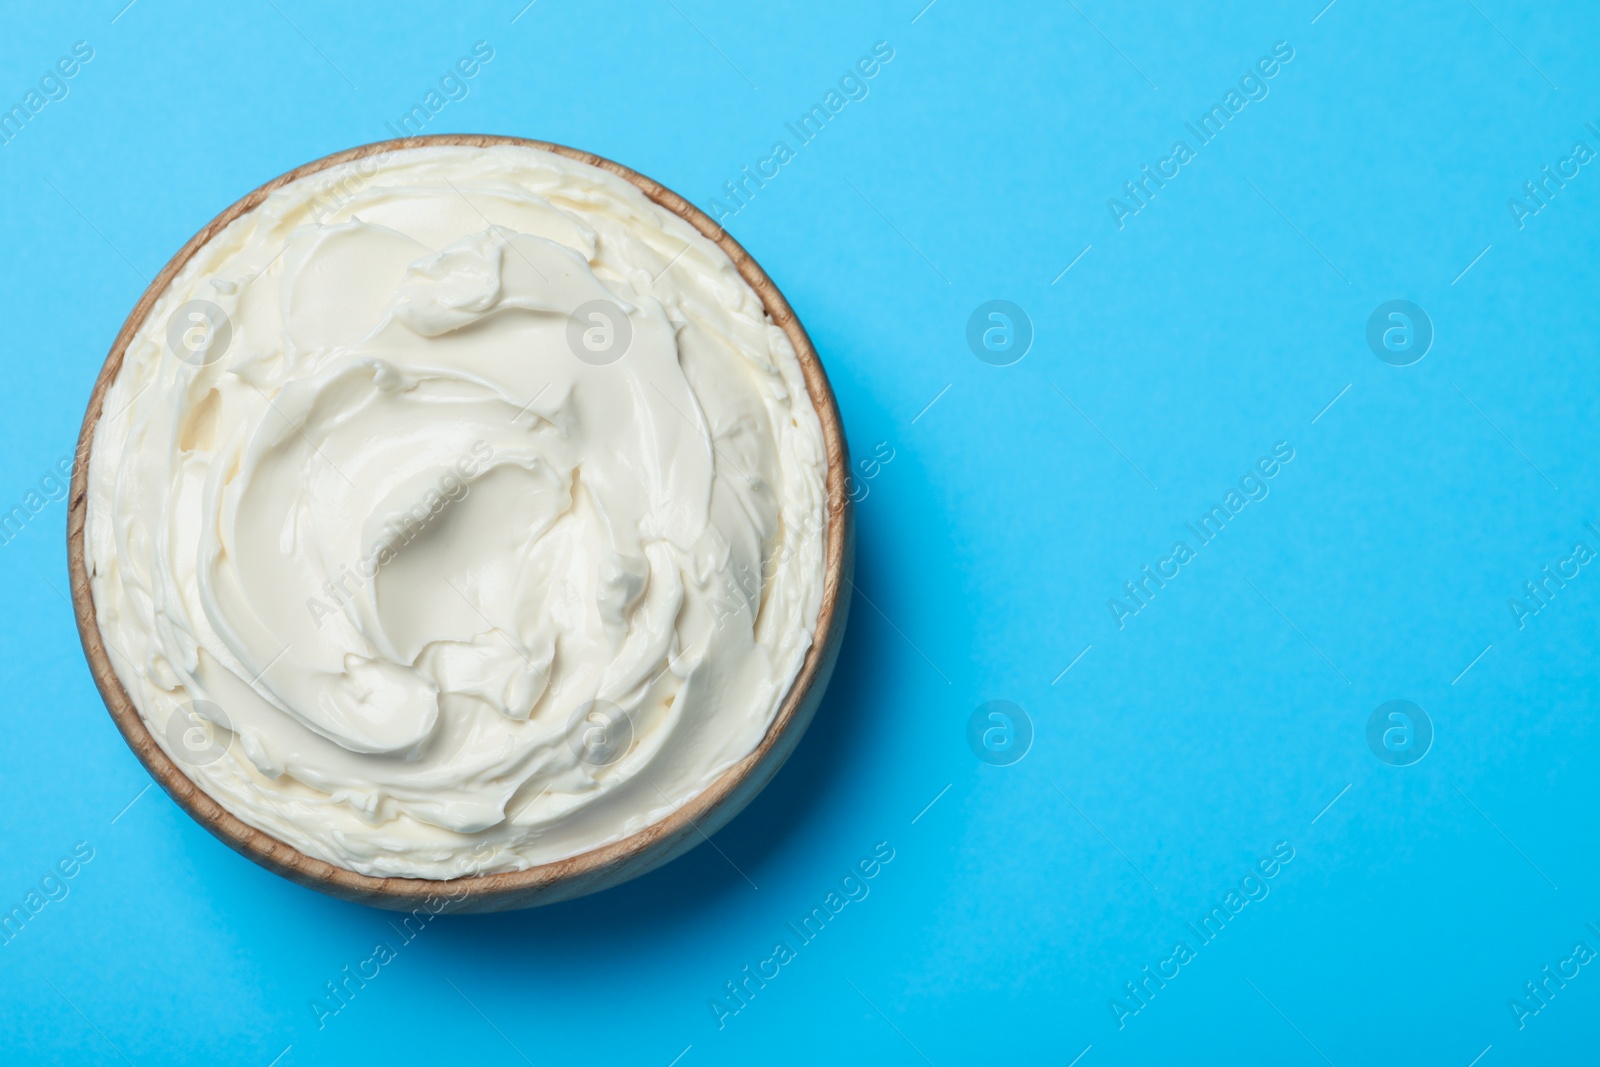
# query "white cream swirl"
(410, 566)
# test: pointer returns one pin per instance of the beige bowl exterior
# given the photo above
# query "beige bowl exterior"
(587, 872)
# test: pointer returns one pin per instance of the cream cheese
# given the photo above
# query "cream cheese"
(455, 511)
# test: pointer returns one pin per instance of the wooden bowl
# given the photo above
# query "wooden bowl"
(587, 872)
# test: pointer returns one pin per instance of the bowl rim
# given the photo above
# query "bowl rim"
(695, 819)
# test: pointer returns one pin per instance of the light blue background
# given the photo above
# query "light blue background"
(1224, 718)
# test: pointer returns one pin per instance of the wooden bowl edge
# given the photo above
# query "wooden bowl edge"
(587, 872)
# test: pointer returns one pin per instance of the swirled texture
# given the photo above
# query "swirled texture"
(455, 511)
